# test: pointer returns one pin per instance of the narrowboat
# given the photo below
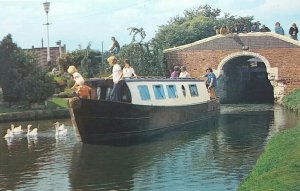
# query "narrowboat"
(147, 107)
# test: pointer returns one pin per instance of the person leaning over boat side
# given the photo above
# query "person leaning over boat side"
(128, 71)
(80, 89)
(184, 73)
(212, 82)
(117, 76)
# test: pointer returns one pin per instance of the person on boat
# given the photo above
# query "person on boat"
(80, 89)
(115, 48)
(175, 73)
(184, 73)
(116, 75)
(128, 71)
(211, 83)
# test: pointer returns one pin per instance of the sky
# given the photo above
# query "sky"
(78, 22)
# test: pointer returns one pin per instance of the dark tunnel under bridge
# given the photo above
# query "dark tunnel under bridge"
(245, 80)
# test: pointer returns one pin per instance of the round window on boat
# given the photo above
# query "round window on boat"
(183, 90)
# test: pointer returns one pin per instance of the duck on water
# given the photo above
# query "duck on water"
(146, 106)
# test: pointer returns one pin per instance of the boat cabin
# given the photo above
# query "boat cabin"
(152, 90)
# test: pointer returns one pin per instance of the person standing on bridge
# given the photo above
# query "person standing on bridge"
(294, 31)
(278, 29)
(211, 83)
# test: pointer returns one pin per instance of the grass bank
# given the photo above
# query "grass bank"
(292, 101)
(55, 108)
(55, 103)
(52, 104)
(278, 168)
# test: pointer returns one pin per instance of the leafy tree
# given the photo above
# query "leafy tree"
(86, 60)
(136, 31)
(7, 48)
(23, 80)
(145, 57)
(196, 24)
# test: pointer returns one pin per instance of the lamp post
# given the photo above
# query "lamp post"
(46, 8)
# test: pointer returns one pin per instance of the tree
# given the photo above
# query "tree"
(135, 31)
(7, 48)
(86, 60)
(194, 25)
(145, 57)
(23, 80)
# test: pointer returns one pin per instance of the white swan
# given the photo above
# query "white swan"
(33, 132)
(61, 127)
(9, 134)
(16, 130)
(60, 130)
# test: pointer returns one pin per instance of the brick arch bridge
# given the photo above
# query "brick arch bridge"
(251, 67)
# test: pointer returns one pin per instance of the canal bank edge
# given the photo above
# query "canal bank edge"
(34, 115)
(278, 168)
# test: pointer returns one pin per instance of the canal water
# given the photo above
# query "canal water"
(216, 154)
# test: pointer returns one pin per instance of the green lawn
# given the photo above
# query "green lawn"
(55, 103)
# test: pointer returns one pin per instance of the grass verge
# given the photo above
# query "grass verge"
(57, 103)
(292, 101)
(278, 168)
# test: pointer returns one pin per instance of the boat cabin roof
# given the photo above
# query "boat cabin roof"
(153, 90)
(103, 82)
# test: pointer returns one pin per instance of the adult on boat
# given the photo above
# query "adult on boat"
(211, 82)
(128, 71)
(116, 75)
(184, 73)
(175, 73)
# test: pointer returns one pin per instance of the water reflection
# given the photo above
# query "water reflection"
(215, 154)
(22, 159)
(114, 168)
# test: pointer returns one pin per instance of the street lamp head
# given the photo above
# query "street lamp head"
(46, 6)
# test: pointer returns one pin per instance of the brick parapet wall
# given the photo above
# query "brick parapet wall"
(287, 60)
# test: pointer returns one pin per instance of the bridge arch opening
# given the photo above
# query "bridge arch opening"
(244, 78)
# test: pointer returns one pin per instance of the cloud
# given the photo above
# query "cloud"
(81, 21)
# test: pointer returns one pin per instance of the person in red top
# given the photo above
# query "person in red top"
(294, 31)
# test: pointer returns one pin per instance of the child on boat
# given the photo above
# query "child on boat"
(81, 90)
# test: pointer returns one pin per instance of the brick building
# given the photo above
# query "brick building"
(42, 54)
(250, 67)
